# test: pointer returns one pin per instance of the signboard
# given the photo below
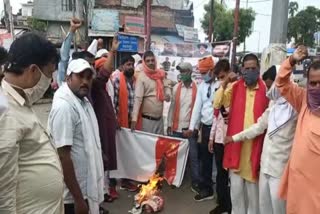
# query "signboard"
(221, 49)
(134, 24)
(175, 5)
(190, 35)
(105, 20)
(128, 43)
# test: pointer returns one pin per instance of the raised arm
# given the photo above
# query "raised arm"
(290, 91)
(75, 24)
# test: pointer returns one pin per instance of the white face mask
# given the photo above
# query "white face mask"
(36, 92)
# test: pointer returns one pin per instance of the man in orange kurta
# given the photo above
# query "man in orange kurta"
(300, 184)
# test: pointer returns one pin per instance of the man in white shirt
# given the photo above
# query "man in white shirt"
(183, 99)
(75, 131)
(203, 112)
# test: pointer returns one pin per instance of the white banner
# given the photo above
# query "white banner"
(139, 155)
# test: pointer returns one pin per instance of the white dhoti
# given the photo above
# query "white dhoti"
(244, 195)
(269, 201)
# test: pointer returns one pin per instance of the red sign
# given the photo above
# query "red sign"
(134, 24)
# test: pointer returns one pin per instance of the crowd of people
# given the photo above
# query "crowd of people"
(258, 136)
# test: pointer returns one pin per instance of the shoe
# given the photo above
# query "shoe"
(103, 211)
(128, 186)
(203, 196)
(113, 193)
(108, 198)
(195, 188)
(218, 210)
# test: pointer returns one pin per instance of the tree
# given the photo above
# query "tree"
(303, 25)
(224, 21)
(293, 8)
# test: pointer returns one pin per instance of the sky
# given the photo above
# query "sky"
(257, 41)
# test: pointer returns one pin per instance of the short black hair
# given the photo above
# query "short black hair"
(28, 49)
(270, 74)
(222, 65)
(82, 55)
(3, 55)
(127, 59)
(148, 54)
(315, 66)
(249, 57)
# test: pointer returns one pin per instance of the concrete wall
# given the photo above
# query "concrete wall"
(51, 10)
(56, 35)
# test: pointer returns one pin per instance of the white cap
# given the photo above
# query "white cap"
(137, 58)
(77, 66)
(93, 48)
(101, 52)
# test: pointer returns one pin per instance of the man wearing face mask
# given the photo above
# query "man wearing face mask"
(203, 112)
(31, 178)
(279, 120)
(248, 101)
(183, 99)
(302, 172)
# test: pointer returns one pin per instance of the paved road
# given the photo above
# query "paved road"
(177, 201)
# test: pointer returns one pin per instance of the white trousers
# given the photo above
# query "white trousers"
(244, 195)
(269, 201)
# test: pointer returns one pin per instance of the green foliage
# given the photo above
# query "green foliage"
(224, 22)
(293, 8)
(37, 25)
(303, 25)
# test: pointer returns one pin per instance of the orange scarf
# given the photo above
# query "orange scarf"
(158, 75)
(123, 112)
(177, 105)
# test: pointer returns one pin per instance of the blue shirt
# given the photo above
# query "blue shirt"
(203, 107)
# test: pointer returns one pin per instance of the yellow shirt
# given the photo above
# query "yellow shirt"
(31, 179)
(224, 98)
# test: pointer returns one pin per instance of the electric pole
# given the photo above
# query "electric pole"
(8, 17)
(276, 52)
(86, 24)
(235, 32)
(75, 34)
(147, 23)
(279, 21)
(210, 33)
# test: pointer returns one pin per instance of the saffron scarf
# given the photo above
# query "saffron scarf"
(232, 151)
(123, 113)
(177, 104)
(158, 75)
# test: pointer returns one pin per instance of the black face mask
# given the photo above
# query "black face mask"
(251, 77)
(129, 73)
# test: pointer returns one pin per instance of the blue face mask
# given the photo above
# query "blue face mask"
(206, 77)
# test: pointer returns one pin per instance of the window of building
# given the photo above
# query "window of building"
(68, 5)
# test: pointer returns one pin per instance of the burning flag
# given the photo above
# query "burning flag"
(140, 154)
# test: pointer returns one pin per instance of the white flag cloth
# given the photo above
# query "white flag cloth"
(139, 154)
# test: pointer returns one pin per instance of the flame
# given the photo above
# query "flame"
(149, 189)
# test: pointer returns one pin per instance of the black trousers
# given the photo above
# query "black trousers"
(222, 187)
(69, 208)
(206, 160)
